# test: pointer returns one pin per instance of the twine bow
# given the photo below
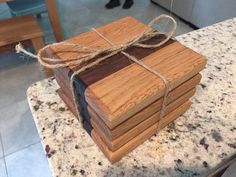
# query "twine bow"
(86, 55)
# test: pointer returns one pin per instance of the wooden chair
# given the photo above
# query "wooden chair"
(22, 29)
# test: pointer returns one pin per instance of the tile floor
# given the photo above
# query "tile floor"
(21, 154)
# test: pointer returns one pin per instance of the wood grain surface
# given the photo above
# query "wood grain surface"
(131, 145)
(123, 91)
(144, 113)
(115, 144)
(138, 117)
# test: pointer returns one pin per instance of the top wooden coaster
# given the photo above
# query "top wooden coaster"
(117, 88)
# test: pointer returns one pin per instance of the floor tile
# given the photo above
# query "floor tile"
(2, 168)
(17, 80)
(230, 171)
(29, 162)
(17, 127)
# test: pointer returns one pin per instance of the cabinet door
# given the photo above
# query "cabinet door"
(182, 8)
(208, 12)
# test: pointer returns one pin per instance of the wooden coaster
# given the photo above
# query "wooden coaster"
(131, 145)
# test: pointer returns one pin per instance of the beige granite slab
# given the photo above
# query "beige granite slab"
(194, 144)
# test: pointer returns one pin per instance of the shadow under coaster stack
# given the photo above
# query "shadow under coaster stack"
(120, 101)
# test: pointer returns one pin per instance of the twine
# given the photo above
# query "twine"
(85, 59)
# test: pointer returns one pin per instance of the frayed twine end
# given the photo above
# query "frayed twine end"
(20, 49)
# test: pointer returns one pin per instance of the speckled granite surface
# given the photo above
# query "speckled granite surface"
(194, 144)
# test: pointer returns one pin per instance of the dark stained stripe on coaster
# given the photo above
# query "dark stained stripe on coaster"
(118, 62)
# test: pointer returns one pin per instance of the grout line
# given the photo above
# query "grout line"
(23, 148)
(4, 160)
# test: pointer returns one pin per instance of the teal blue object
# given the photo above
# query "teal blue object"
(24, 7)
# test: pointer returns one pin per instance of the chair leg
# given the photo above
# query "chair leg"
(38, 44)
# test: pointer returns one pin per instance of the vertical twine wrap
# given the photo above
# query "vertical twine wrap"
(85, 59)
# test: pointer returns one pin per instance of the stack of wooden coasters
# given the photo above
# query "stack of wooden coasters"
(120, 101)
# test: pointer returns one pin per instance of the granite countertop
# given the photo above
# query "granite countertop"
(191, 146)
